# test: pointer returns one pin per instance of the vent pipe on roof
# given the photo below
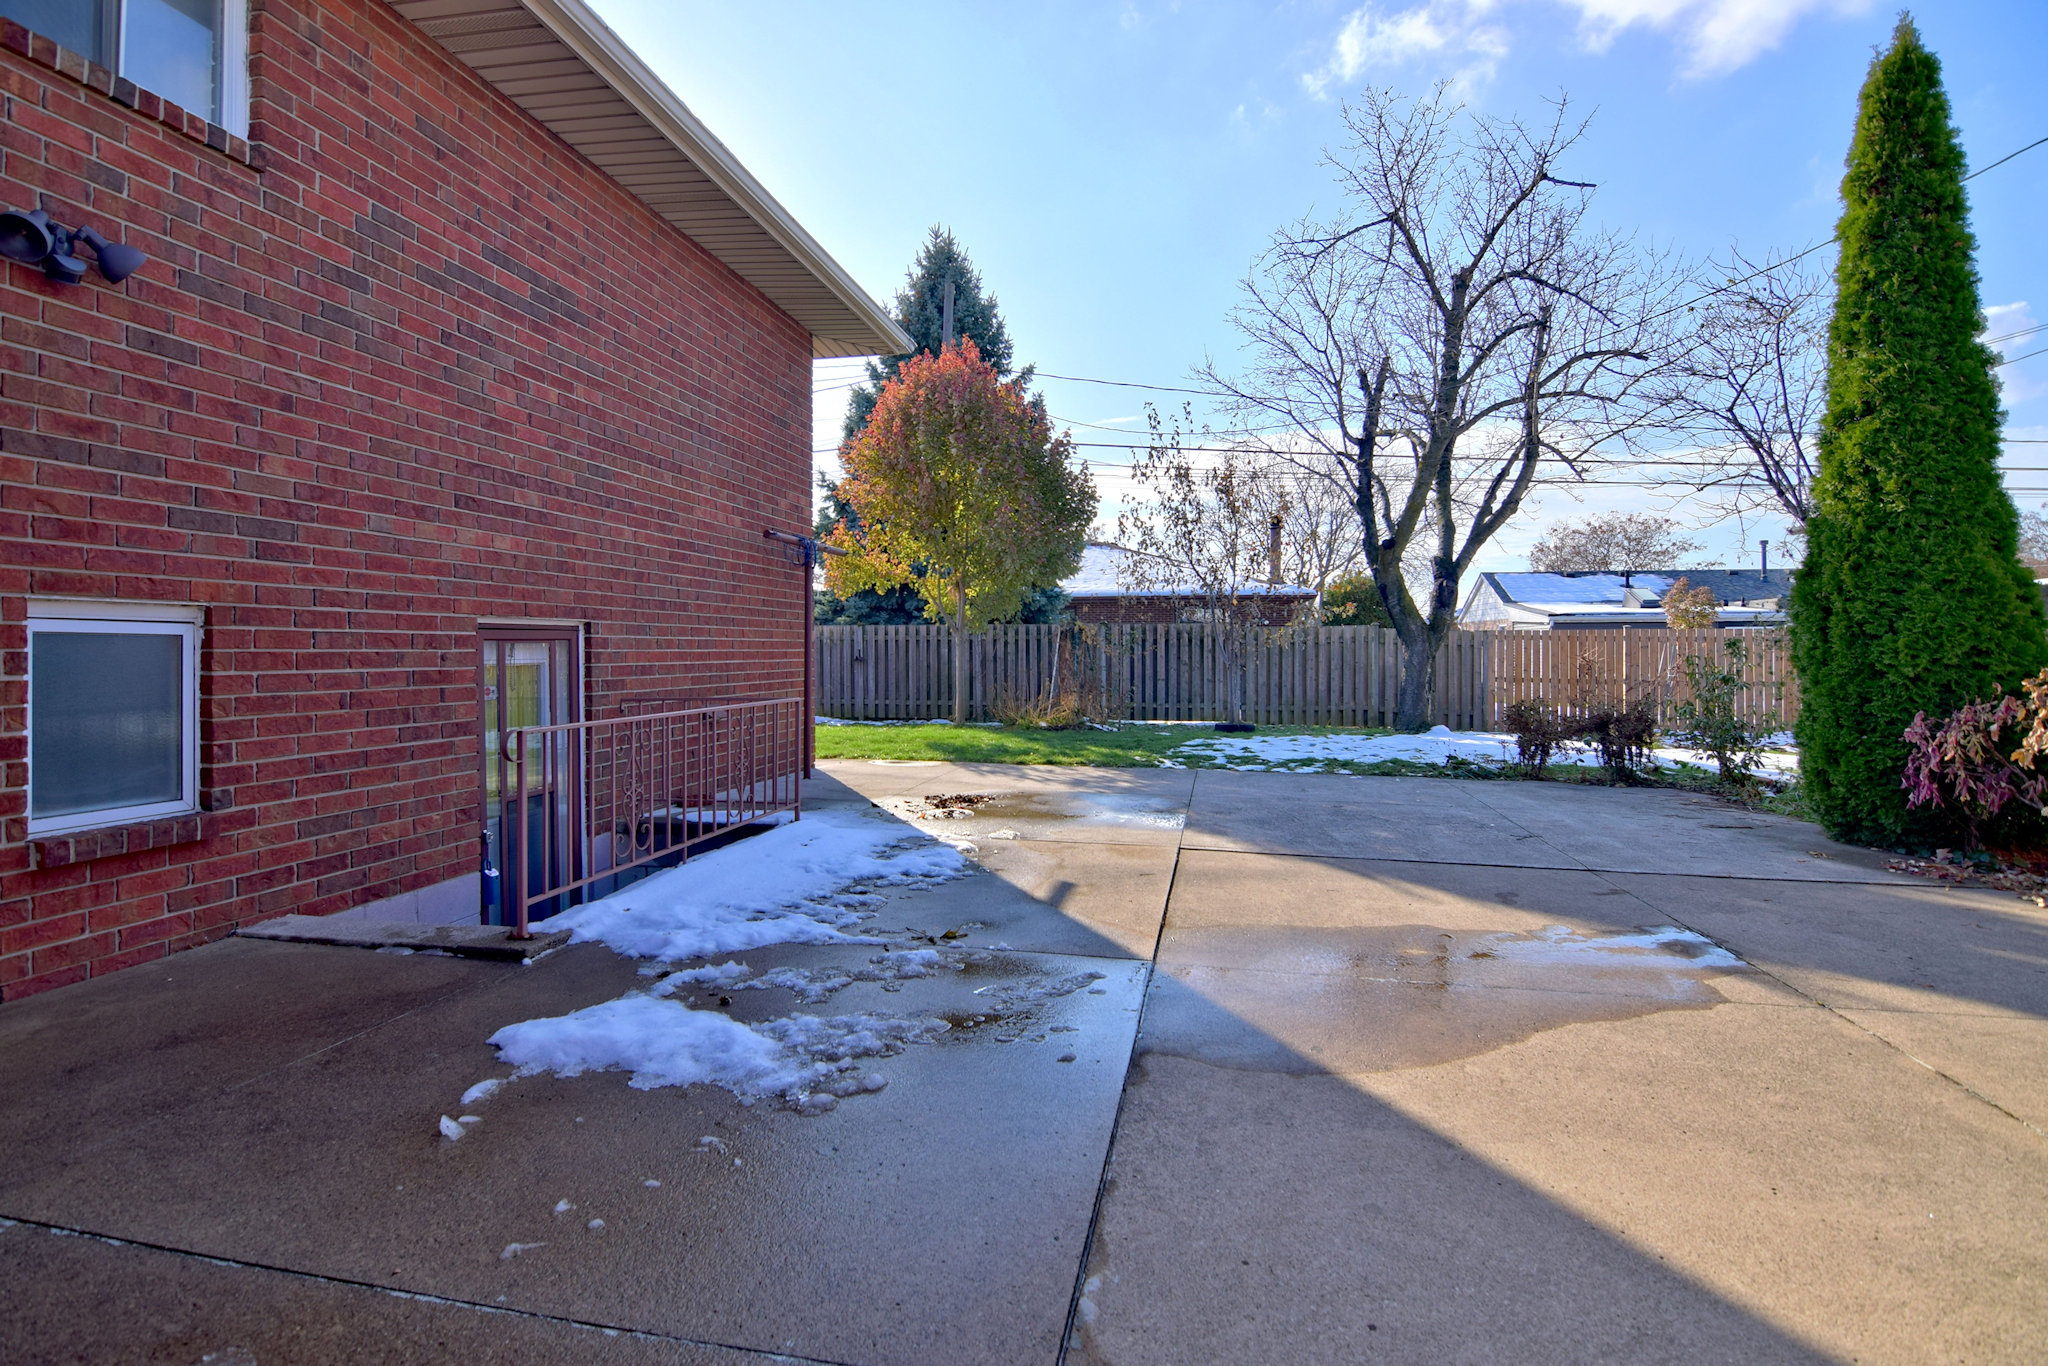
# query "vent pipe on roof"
(1273, 553)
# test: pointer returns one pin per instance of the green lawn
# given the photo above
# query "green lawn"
(1131, 745)
(1138, 745)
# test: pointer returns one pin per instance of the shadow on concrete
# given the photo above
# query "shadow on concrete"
(274, 1106)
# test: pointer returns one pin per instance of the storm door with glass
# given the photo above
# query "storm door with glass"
(530, 677)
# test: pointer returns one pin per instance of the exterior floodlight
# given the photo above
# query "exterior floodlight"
(25, 237)
(32, 239)
(118, 260)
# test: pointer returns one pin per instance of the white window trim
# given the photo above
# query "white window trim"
(234, 61)
(123, 618)
(234, 67)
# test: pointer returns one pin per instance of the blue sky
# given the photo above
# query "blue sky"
(1113, 168)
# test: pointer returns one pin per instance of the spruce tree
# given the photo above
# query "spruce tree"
(1912, 597)
(920, 312)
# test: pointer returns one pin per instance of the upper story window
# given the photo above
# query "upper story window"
(113, 713)
(192, 52)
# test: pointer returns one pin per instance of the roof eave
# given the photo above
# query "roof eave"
(580, 30)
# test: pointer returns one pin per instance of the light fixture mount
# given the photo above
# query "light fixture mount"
(29, 237)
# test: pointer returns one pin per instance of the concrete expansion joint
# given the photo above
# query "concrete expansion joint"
(422, 1297)
(1858, 1025)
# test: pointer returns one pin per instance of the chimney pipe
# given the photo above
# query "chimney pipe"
(1273, 554)
(1765, 546)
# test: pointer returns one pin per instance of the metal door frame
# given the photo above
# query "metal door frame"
(567, 815)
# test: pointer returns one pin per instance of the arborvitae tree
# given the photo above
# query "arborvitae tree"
(1912, 597)
(920, 312)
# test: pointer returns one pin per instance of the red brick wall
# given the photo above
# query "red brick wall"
(391, 367)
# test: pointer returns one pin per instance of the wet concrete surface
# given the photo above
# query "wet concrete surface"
(1425, 1072)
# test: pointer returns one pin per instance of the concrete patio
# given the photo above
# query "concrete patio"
(1340, 1092)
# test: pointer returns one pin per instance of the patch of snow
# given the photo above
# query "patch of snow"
(651, 1184)
(1281, 753)
(514, 1249)
(801, 883)
(482, 1091)
(595, 1224)
(803, 1060)
(450, 1130)
(563, 1207)
(710, 1144)
(722, 977)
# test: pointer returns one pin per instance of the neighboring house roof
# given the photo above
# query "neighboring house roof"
(559, 62)
(1097, 578)
(1536, 599)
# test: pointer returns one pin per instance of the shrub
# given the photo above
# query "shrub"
(1962, 767)
(1710, 719)
(1624, 736)
(1538, 730)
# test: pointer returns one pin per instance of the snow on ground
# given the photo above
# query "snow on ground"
(807, 1061)
(1280, 753)
(805, 882)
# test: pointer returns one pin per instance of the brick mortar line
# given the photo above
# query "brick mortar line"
(424, 1296)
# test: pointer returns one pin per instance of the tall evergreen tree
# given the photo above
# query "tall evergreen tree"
(920, 312)
(1912, 597)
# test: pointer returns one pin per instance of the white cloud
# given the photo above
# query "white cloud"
(1465, 40)
(1718, 35)
(1451, 34)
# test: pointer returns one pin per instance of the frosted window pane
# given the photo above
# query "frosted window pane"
(105, 712)
(170, 47)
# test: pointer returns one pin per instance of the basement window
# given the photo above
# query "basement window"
(194, 53)
(113, 713)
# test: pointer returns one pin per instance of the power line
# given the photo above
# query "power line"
(2014, 336)
(1126, 384)
(2007, 157)
(2017, 359)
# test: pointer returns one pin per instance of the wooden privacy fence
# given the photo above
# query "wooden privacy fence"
(1580, 670)
(1302, 676)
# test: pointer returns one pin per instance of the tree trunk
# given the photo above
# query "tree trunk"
(1414, 703)
(1231, 638)
(959, 651)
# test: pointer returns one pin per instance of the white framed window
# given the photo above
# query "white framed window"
(194, 53)
(113, 713)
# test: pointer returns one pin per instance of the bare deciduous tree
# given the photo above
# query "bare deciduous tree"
(1610, 543)
(1201, 530)
(1318, 529)
(1748, 381)
(2034, 538)
(1457, 335)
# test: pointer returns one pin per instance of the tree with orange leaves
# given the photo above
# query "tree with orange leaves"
(960, 490)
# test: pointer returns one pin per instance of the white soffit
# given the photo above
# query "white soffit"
(560, 63)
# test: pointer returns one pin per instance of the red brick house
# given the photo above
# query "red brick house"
(464, 375)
